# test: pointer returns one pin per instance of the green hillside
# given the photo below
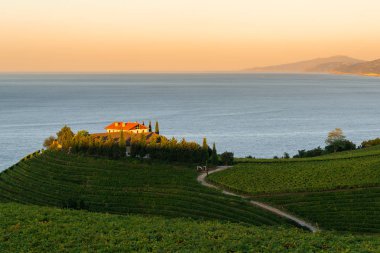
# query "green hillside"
(337, 191)
(26, 228)
(122, 187)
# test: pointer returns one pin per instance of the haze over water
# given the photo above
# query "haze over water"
(249, 114)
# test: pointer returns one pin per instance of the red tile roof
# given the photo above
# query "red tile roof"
(128, 126)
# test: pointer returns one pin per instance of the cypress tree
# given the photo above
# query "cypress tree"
(205, 151)
(214, 155)
(150, 126)
(122, 144)
(157, 128)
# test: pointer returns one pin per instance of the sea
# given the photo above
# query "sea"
(259, 115)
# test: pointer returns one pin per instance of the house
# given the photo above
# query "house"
(132, 127)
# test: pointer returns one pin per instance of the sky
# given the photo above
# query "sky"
(181, 35)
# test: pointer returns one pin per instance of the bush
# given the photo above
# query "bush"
(49, 141)
(227, 158)
(309, 153)
(370, 143)
(339, 146)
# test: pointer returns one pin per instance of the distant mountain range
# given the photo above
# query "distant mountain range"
(334, 64)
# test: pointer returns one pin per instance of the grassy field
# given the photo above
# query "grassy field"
(338, 191)
(122, 187)
(25, 228)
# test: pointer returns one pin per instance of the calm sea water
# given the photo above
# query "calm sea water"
(250, 114)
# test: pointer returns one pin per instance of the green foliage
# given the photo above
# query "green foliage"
(122, 145)
(158, 147)
(370, 143)
(227, 158)
(340, 145)
(310, 153)
(166, 150)
(150, 126)
(205, 154)
(337, 142)
(65, 136)
(123, 187)
(83, 133)
(43, 229)
(214, 155)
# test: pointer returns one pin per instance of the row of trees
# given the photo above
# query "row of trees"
(173, 150)
(158, 147)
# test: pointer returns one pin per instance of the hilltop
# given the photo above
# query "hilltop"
(332, 65)
(364, 68)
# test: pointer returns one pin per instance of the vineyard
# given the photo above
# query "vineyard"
(356, 210)
(371, 151)
(122, 187)
(301, 176)
(337, 191)
(45, 229)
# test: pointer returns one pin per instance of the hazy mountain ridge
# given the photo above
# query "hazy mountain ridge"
(364, 68)
(335, 64)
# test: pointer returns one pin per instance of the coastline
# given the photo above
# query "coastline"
(316, 73)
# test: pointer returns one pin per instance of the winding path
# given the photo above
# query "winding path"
(202, 179)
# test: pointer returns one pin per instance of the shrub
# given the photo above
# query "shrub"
(227, 158)
(309, 153)
(48, 142)
(370, 143)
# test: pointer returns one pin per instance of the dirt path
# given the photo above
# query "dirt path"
(202, 179)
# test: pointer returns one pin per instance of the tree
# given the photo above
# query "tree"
(205, 154)
(150, 126)
(48, 142)
(83, 133)
(286, 156)
(370, 143)
(214, 155)
(157, 128)
(335, 138)
(227, 158)
(340, 145)
(122, 144)
(142, 146)
(65, 137)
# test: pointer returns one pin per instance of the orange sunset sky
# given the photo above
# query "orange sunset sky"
(181, 35)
